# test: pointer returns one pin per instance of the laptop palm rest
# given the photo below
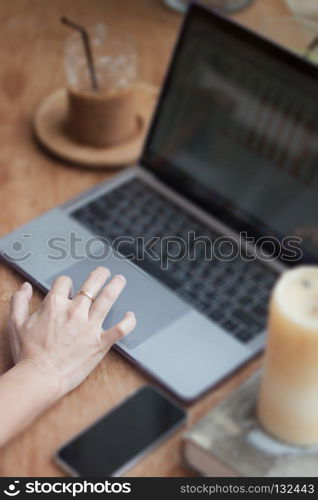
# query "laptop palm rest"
(154, 305)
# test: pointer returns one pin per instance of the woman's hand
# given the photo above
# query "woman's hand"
(56, 347)
(64, 339)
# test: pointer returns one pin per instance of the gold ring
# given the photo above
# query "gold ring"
(87, 294)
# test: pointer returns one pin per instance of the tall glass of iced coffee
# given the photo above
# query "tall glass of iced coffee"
(103, 114)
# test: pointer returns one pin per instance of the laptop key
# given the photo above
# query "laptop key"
(230, 325)
(244, 335)
(216, 315)
(260, 310)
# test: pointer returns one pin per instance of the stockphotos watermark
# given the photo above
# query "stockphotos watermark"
(162, 250)
(73, 488)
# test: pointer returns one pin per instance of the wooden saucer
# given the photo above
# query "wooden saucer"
(49, 126)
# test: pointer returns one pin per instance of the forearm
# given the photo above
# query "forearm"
(25, 392)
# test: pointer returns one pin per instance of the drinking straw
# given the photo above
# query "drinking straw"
(87, 48)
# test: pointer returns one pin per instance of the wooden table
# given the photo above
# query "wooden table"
(31, 182)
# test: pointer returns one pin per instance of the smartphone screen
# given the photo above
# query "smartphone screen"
(113, 443)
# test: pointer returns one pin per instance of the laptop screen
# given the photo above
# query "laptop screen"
(236, 130)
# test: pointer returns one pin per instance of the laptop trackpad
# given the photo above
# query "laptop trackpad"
(154, 305)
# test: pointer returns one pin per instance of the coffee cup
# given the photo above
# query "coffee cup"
(103, 116)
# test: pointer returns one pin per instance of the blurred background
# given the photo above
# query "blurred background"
(31, 181)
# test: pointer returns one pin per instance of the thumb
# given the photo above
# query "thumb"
(115, 333)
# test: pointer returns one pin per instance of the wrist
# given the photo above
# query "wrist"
(26, 390)
(45, 385)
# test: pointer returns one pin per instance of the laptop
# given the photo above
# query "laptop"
(201, 226)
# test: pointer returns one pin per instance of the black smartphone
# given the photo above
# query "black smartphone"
(116, 441)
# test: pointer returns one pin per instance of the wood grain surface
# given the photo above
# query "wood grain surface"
(31, 182)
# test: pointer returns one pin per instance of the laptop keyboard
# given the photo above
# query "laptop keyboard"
(233, 293)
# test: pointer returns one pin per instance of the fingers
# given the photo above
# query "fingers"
(125, 326)
(107, 297)
(62, 286)
(20, 302)
(92, 285)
